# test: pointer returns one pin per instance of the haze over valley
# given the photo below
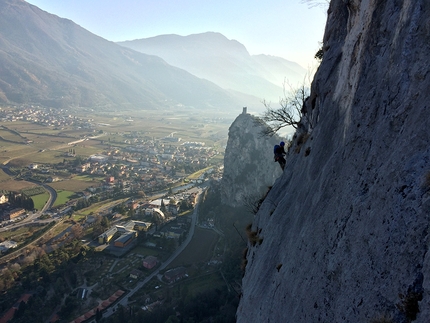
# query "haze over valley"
(52, 62)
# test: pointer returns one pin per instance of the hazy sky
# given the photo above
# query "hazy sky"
(285, 28)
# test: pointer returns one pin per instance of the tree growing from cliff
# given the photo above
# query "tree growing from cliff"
(289, 113)
(316, 3)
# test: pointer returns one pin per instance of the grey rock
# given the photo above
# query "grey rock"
(351, 217)
(249, 167)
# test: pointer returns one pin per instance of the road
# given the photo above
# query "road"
(194, 218)
(33, 216)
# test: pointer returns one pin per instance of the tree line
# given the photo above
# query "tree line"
(21, 200)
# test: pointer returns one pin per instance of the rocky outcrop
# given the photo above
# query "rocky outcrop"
(249, 168)
(345, 228)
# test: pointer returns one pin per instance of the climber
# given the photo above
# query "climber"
(279, 152)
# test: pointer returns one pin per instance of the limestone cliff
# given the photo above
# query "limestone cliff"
(345, 228)
(249, 168)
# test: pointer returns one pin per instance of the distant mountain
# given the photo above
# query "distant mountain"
(52, 61)
(225, 62)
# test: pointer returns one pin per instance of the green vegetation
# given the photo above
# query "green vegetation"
(32, 191)
(17, 234)
(88, 178)
(76, 184)
(40, 200)
(199, 173)
(63, 197)
(78, 216)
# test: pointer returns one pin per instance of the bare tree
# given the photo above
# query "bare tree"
(316, 3)
(290, 111)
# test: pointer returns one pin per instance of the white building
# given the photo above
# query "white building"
(98, 158)
(6, 245)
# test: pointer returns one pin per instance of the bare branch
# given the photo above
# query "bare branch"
(290, 111)
(316, 3)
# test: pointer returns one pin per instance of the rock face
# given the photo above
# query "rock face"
(345, 228)
(249, 168)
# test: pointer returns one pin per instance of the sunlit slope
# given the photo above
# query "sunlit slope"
(52, 61)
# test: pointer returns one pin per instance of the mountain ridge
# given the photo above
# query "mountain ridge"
(225, 62)
(52, 61)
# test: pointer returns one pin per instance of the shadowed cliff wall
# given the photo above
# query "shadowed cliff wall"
(345, 228)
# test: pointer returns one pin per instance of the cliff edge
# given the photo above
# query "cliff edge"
(249, 168)
(343, 233)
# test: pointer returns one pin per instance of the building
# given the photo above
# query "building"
(172, 232)
(98, 158)
(141, 226)
(125, 239)
(159, 212)
(150, 262)
(157, 203)
(173, 208)
(175, 274)
(33, 166)
(6, 245)
(135, 274)
(83, 168)
(107, 235)
(3, 198)
(127, 227)
(12, 214)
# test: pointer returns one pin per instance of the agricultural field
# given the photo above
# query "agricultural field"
(31, 191)
(10, 151)
(197, 174)
(88, 178)
(63, 197)
(40, 200)
(16, 186)
(29, 128)
(75, 184)
(88, 148)
(3, 177)
(7, 135)
(47, 145)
